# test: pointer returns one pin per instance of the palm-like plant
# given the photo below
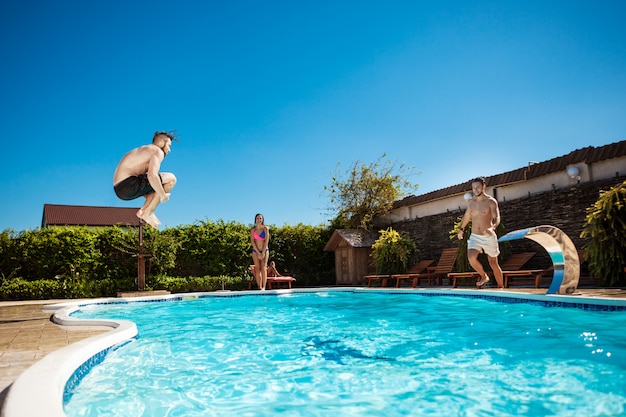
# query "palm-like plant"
(392, 252)
(605, 226)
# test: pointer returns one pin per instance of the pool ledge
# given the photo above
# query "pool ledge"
(548, 300)
(38, 391)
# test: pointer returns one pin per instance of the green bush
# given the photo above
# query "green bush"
(196, 284)
(299, 251)
(392, 252)
(44, 289)
(211, 248)
(21, 289)
(72, 262)
(605, 227)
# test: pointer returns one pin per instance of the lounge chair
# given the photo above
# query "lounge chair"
(511, 266)
(444, 266)
(382, 278)
(276, 280)
(418, 268)
(535, 274)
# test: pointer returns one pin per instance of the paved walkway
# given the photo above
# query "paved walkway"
(27, 334)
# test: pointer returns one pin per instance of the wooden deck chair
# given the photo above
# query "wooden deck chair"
(382, 278)
(513, 264)
(444, 266)
(272, 280)
(418, 268)
(509, 274)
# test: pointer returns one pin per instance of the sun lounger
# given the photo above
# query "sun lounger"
(277, 281)
(418, 268)
(444, 266)
(512, 265)
(534, 274)
(510, 275)
(382, 278)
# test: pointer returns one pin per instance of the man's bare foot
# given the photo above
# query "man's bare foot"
(482, 282)
(151, 219)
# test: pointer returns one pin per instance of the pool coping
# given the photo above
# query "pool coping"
(47, 380)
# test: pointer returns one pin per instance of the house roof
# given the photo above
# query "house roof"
(586, 155)
(356, 238)
(62, 215)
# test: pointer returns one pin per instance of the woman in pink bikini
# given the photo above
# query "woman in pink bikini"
(259, 238)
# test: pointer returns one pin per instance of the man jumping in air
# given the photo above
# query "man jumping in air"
(138, 175)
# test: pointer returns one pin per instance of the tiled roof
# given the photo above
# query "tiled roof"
(357, 238)
(61, 215)
(587, 155)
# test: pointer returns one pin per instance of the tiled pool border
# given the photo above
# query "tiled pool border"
(37, 381)
(565, 301)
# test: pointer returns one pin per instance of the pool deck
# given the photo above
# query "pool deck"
(27, 334)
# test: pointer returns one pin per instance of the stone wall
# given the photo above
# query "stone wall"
(564, 208)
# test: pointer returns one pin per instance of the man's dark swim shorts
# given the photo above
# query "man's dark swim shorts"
(133, 187)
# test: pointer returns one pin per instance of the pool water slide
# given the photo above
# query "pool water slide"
(562, 252)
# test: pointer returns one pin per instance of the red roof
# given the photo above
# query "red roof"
(587, 155)
(61, 215)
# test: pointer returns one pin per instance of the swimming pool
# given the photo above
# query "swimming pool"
(386, 353)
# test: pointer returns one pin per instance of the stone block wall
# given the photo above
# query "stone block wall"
(564, 208)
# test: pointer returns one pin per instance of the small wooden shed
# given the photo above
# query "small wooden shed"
(352, 249)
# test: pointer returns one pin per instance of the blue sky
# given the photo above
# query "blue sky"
(267, 96)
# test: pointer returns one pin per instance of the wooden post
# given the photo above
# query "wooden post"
(141, 261)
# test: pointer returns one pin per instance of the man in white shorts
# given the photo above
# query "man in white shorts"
(482, 210)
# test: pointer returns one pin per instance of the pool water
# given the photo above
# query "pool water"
(365, 354)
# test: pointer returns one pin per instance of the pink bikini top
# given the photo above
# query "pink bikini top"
(259, 236)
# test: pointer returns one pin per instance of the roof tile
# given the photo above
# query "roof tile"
(63, 215)
(587, 155)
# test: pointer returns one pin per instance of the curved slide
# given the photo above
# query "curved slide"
(562, 252)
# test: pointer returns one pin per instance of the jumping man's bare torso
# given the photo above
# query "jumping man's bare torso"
(482, 212)
(136, 162)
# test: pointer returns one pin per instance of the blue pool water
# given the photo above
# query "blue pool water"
(365, 354)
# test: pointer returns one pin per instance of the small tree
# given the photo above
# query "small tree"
(392, 252)
(365, 192)
(606, 229)
(462, 264)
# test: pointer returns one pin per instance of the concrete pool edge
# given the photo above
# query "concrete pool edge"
(40, 389)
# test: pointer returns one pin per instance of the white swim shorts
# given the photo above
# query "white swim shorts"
(486, 243)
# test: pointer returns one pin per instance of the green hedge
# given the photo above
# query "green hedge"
(45, 289)
(72, 262)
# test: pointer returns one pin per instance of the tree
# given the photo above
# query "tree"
(365, 192)
(605, 227)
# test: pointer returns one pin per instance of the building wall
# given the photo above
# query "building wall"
(587, 173)
(564, 207)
